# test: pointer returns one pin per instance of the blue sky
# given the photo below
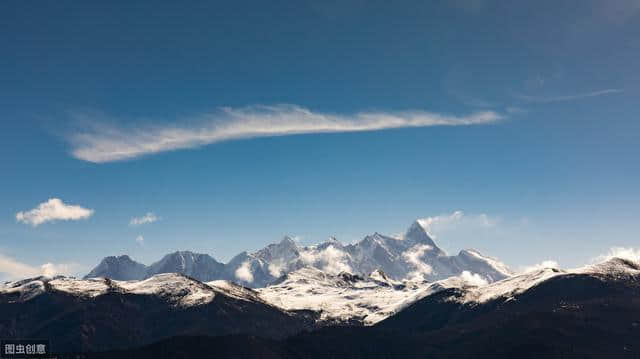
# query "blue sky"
(238, 123)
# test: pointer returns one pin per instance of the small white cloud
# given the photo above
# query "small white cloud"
(243, 272)
(275, 269)
(331, 260)
(52, 269)
(150, 217)
(140, 240)
(541, 265)
(103, 143)
(52, 210)
(11, 269)
(412, 256)
(473, 278)
(631, 254)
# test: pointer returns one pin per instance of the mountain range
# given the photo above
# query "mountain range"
(586, 312)
(414, 256)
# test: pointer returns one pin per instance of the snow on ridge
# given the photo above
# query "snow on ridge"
(616, 267)
(345, 297)
(177, 288)
(511, 287)
(493, 262)
(234, 290)
(25, 289)
(92, 287)
(174, 287)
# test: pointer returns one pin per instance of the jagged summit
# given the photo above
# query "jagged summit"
(287, 247)
(418, 233)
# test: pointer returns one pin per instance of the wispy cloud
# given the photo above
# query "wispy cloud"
(548, 99)
(473, 278)
(52, 210)
(11, 268)
(140, 240)
(413, 256)
(538, 266)
(104, 143)
(329, 259)
(445, 222)
(632, 254)
(244, 273)
(150, 217)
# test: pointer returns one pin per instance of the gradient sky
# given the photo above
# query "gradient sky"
(551, 172)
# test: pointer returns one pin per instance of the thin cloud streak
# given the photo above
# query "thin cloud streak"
(107, 143)
(542, 99)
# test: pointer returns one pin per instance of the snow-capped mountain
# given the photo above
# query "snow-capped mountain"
(119, 268)
(196, 265)
(414, 256)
